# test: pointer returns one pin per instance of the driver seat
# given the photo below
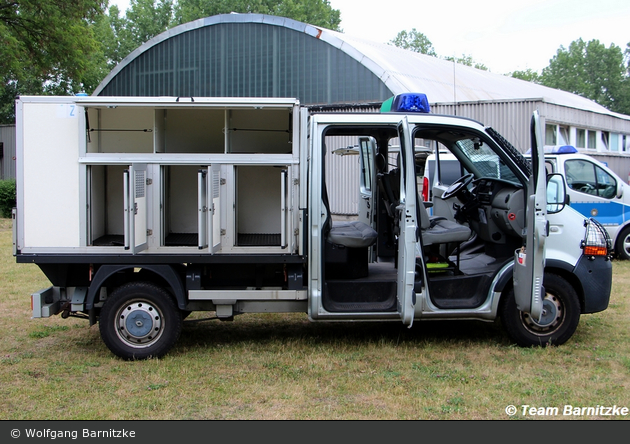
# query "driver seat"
(438, 230)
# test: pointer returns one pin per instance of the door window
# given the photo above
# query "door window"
(586, 177)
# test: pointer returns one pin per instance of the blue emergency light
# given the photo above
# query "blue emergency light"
(560, 149)
(407, 103)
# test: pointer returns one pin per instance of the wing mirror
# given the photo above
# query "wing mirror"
(619, 189)
(557, 197)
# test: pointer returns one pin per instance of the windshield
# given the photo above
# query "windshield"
(483, 161)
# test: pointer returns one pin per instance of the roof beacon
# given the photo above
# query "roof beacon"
(560, 149)
(407, 102)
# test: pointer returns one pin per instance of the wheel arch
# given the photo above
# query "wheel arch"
(164, 275)
(618, 237)
(560, 268)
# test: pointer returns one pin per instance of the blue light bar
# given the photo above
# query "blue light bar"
(411, 102)
(560, 149)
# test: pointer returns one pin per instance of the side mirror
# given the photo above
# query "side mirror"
(620, 189)
(556, 193)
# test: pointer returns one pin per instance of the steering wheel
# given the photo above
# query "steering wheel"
(457, 186)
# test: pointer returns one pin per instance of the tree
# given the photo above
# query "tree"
(414, 41)
(47, 47)
(529, 75)
(592, 71)
(468, 61)
(314, 12)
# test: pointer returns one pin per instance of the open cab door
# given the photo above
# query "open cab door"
(408, 223)
(529, 260)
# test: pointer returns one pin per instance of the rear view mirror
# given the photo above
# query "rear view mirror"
(556, 193)
(619, 190)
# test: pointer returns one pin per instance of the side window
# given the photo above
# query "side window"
(549, 166)
(606, 184)
(586, 177)
(366, 166)
(581, 176)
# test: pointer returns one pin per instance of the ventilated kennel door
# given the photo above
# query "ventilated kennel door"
(135, 204)
(209, 208)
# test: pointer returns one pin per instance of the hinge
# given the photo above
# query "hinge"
(149, 232)
(149, 181)
(296, 181)
(223, 232)
(223, 181)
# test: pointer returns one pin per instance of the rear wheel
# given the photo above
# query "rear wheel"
(140, 320)
(623, 244)
(560, 318)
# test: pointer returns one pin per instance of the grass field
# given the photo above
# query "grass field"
(284, 367)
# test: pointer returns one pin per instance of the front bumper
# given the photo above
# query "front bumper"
(595, 276)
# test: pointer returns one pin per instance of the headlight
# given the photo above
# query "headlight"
(597, 241)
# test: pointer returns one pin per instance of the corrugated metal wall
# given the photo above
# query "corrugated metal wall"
(342, 177)
(510, 118)
(257, 60)
(7, 159)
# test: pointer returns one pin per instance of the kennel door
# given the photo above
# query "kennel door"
(209, 208)
(135, 202)
(202, 208)
(214, 208)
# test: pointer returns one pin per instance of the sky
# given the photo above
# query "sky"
(504, 35)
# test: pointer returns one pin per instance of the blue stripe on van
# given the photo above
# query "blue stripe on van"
(607, 213)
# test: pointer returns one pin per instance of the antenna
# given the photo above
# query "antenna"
(454, 85)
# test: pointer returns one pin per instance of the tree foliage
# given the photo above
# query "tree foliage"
(314, 12)
(414, 41)
(529, 74)
(593, 71)
(468, 61)
(47, 47)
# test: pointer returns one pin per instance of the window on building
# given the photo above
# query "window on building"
(580, 141)
(614, 142)
(563, 133)
(606, 139)
(550, 135)
(586, 177)
(592, 140)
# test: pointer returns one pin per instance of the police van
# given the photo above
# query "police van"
(141, 210)
(595, 191)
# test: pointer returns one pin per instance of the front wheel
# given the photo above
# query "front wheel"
(623, 244)
(140, 320)
(560, 318)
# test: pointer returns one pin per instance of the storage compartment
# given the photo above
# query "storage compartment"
(120, 130)
(190, 131)
(253, 131)
(260, 206)
(180, 205)
(343, 262)
(106, 207)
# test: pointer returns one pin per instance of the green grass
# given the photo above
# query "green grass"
(285, 367)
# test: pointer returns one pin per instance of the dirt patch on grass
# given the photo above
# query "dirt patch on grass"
(6, 224)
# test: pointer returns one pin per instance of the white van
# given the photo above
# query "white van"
(141, 210)
(595, 191)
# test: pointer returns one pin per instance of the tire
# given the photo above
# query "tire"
(622, 246)
(559, 321)
(140, 320)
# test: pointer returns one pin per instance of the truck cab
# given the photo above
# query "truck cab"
(223, 205)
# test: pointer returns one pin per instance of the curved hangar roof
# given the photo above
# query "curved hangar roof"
(256, 55)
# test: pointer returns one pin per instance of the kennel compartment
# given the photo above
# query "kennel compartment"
(260, 206)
